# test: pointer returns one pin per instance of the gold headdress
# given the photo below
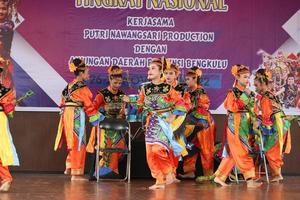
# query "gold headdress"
(197, 72)
(171, 66)
(263, 75)
(239, 69)
(80, 66)
(114, 70)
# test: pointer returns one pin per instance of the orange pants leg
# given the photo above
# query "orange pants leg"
(242, 159)
(225, 168)
(159, 162)
(189, 165)
(5, 174)
(207, 148)
(275, 159)
(76, 159)
(174, 161)
(238, 156)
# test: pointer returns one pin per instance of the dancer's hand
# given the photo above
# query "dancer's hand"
(126, 99)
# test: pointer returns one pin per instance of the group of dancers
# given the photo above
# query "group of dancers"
(178, 122)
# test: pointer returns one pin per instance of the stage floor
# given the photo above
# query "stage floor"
(59, 187)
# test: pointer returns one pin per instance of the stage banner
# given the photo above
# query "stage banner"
(39, 39)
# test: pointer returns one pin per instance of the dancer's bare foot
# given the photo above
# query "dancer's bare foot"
(157, 187)
(5, 186)
(220, 182)
(170, 178)
(67, 172)
(277, 179)
(78, 178)
(176, 180)
(253, 184)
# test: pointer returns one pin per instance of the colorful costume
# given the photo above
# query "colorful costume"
(275, 130)
(112, 106)
(160, 100)
(179, 132)
(237, 148)
(200, 131)
(8, 155)
(6, 36)
(76, 101)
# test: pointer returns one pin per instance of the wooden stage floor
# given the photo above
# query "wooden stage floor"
(59, 187)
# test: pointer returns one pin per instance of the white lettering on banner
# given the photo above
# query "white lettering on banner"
(134, 35)
(116, 4)
(165, 22)
(96, 34)
(128, 61)
(150, 49)
(188, 36)
(187, 5)
(206, 63)
(147, 35)
(104, 61)
(178, 61)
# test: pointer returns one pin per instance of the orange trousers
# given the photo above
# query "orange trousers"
(189, 164)
(205, 142)
(275, 159)
(4, 173)
(159, 162)
(76, 159)
(241, 159)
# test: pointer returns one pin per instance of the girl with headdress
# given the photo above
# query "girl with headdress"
(200, 127)
(273, 126)
(239, 104)
(7, 10)
(111, 101)
(171, 74)
(8, 155)
(163, 103)
(75, 103)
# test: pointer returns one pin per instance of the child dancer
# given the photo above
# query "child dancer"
(238, 103)
(76, 101)
(110, 101)
(200, 129)
(273, 126)
(163, 104)
(8, 155)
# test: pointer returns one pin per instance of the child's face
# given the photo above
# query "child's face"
(3, 10)
(170, 76)
(153, 72)
(191, 81)
(243, 79)
(258, 86)
(116, 82)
